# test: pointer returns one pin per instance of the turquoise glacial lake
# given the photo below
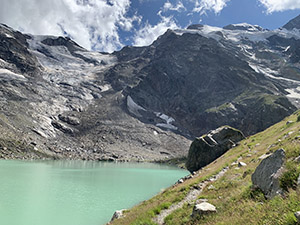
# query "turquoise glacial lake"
(76, 192)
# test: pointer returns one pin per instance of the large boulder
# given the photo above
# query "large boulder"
(209, 147)
(203, 208)
(267, 174)
(117, 215)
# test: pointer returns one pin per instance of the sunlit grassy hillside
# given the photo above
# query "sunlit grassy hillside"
(235, 200)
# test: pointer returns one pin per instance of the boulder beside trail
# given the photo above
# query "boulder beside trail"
(209, 147)
(203, 208)
(267, 174)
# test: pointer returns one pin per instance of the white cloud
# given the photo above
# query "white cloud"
(280, 5)
(201, 6)
(147, 34)
(91, 23)
(178, 7)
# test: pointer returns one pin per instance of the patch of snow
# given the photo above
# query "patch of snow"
(107, 59)
(169, 120)
(133, 107)
(7, 74)
(252, 33)
(287, 48)
(105, 87)
(270, 73)
(165, 117)
(247, 27)
(293, 93)
(8, 35)
(206, 31)
(155, 133)
(167, 126)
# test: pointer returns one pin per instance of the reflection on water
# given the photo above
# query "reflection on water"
(76, 192)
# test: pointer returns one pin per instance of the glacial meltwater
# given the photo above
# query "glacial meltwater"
(76, 192)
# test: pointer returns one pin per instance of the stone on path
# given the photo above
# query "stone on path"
(242, 164)
(203, 208)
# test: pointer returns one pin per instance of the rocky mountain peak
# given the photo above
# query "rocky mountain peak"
(145, 103)
(195, 27)
(243, 26)
(293, 24)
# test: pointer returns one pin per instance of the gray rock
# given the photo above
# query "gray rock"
(209, 147)
(62, 127)
(242, 164)
(203, 208)
(298, 181)
(180, 181)
(69, 119)
(267, 174)
(264, 156)
(117, 215)
(297, 215)
(297, 159)
(294, 23)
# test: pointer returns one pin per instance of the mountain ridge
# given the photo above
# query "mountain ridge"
(144, 103)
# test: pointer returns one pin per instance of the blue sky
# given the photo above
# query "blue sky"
(108, 25)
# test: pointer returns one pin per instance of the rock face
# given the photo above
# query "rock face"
(293, 24)
(209, 147)
(203, 208)
(145, 103)
(267, 174)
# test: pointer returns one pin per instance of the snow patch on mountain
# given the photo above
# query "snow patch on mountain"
(134, 107)
(9, 75)
(252, 33)
(168, 121)
(293, 93)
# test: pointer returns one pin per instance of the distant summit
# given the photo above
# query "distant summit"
(294, 23)
(244, 26)
(195, 27)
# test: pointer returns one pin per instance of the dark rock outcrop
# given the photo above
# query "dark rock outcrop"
(209, 147)
(293, 24)
(267, 174)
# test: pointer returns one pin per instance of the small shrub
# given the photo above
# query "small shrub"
(298, 118)
(290, 219)
(166, 205)
(157, 210)
(254, 193)
(144, 222)
(289, 178)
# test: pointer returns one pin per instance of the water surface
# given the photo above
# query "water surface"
(76, 192)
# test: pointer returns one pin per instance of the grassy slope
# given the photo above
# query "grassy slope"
(236, 202)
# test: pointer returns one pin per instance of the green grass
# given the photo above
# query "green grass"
(234, 197)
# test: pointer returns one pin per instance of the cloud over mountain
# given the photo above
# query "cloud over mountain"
(92, 23)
